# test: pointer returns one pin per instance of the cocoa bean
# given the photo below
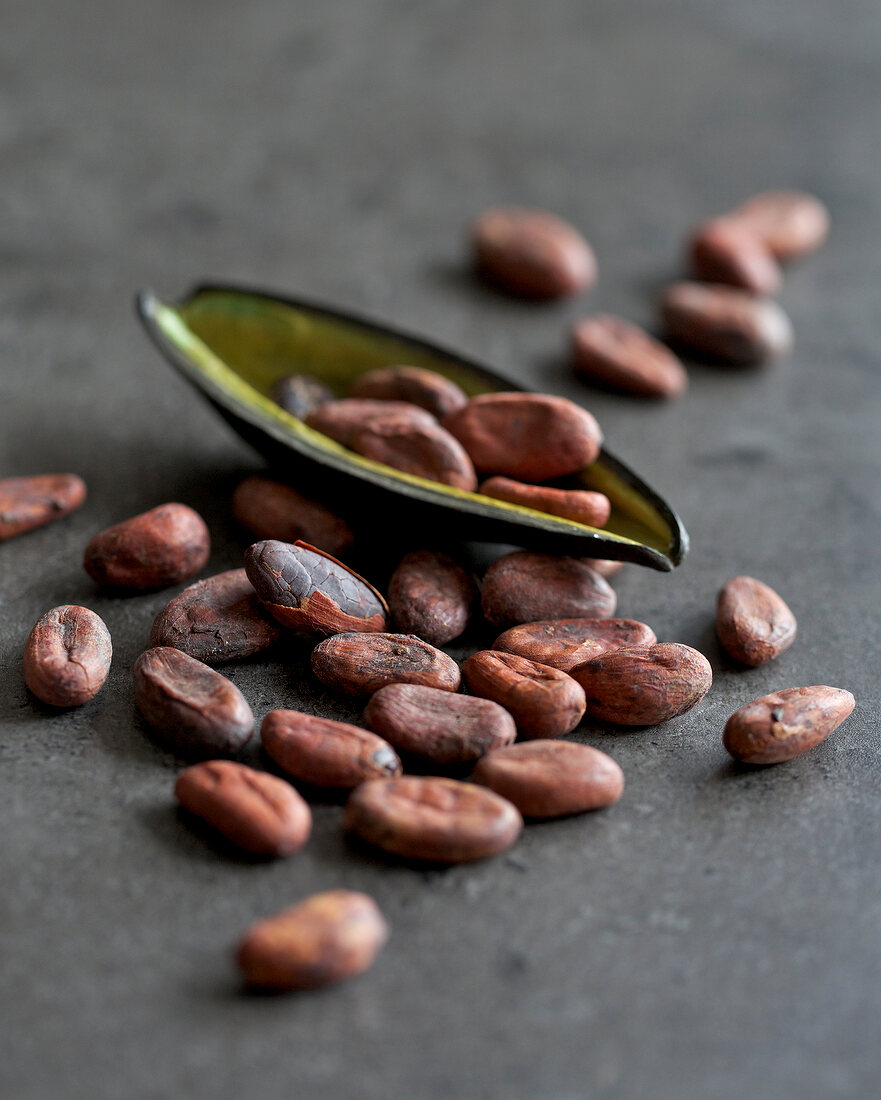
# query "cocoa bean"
(727, 251)
(196, 711)
(526, 436)
(445, 728)
(431, 596)
(643, 685)
(164, 546)
(272, 510)
(582, 506)
(27, 503)
(752, 621)
(623, 356)
(729, 324)
(551, 778)
(298, 394)
(606, 567)
(311, 592)
(789, 223)
(441, 820)
(326, 938)
(216, 620)
(543, 701)
(342, 420)
(785, 724)
(360, 664)
(415, 385)
(258, 812)
(525, 587)
(532, 254)
(67, 656)
(566, 643)
(325, 753)
(423, 450)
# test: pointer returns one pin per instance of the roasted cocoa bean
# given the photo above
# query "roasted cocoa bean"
(415, 385)
(258, 812)
(272, 510)
(441, 820)
(326, 938)
(526, 436)
(67, 656)
(727, 251)
(525, 587)
(164, 546)
(623, 356)
(543, 701)
(783, 725)
(445, 728)
(566, 643)
(359, 664)
(643, 685)
(298, 394)
(789, 223)
(580, 505)
(423, 450)
(325, 753)
(532, 254)
(311, 592)
(730, 324)
(342, 420)
(606, 567)
(431, 596)
(216, 620)
(752, 621)
(551, 778)
(30, 502)
(196, 711)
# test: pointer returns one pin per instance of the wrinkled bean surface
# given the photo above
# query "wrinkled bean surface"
(359, 664)
(164, 546)
(67, 656)
(781, 726)
(752, 621)
(27, 503)
(526, 587)
(543, 701)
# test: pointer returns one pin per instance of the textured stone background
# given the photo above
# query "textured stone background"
(715, 935)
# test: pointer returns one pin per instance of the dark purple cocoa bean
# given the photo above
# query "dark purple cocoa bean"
(342, 420)
(67, 656)
(566, 643)
(326, 938)
(30, 502)
(441, 820)
(525, 587)
(311, 592)
(526, 436)
(272, 510)
(543, 701)
(415, 385)
(360, 664)
(645, 684)
(624, 357)
(532, 254)
(789, 223)
(256, 811)
(423, 450)
(729, 324)
(299, 394)
(431, 596)
(164, 546)
(196, 711)
(752, 621)
(783, 725)
(445, 728)
(580, 505)
(727, 251)
(551, 778)
(325, 753)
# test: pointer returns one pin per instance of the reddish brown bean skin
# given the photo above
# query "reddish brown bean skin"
(532, 254)
(415, 385)
(342, 420)
(359, 664)
(197, 712)
(644, 685)
(621, 355)
(543, 701)
(526, 436)
(526, 587)
(567, 643)
(790, 223)
(606, 567)
(164, 546)
(432, 596)
(216, 620)
(730, 324)
(434, 819)
(582, 506)
(27, 503)
(67, 656)
(256, 811)
(437, 725)
(753, 623)
(325, 939)
(785, 724)
(423, 450)
(273, 510)
(726, 251)
(551, 778)
(325, 753)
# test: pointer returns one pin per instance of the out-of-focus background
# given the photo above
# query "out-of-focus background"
(715, 934)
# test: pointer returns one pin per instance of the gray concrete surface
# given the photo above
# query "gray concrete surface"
(716, 934)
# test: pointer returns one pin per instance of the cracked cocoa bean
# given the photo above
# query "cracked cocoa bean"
(789, 223)
(415, 385)
(164, 546)
(360, 664)
(580, 505)
(566, 643)
(623, 356)
(730, 324)
(526, 587)
(67, 656)
(272, 510)
(298, 394)
(543, 701)
(432, 596)
(726, 251)
(27, 503)
(785, 724)
(752, 621)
